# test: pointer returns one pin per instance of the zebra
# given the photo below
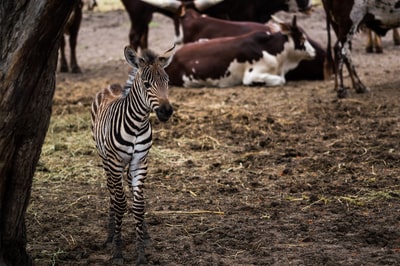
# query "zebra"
(122, 132)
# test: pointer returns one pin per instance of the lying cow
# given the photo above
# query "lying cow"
(255, 58)
(196, 26)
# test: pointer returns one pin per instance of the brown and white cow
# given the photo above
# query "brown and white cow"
(196, 26)
(256, 58)
(346, 17)
(141, 12)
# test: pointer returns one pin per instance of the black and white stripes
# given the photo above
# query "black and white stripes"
(123, 137)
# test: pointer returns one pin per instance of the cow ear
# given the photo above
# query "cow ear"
(285, 28)
(166, 58)
(131, 57)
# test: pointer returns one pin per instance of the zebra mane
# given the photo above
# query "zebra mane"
(129, 81)
(149, 56)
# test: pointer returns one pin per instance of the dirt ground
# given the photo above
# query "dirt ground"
(286, 175)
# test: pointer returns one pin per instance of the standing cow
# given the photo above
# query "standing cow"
(141, 12)
(72, 29)
(256, 58)
(346, 17)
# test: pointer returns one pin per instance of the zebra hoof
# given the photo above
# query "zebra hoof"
(141, 260)
(118, 261)
(108, 243)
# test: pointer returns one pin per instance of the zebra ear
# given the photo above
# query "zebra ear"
(166, 58)
(131, 56)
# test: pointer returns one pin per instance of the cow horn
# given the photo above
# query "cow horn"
(202, 5)
(170, 5)
(276, 19)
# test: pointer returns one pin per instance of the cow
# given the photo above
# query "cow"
(346, 17)
(374, 41)
(255, 58)
(141, 11)
(72, 28)
(196, 26)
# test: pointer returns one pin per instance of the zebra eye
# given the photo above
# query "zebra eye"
(147, 84)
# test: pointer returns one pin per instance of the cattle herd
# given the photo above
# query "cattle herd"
(231, 42)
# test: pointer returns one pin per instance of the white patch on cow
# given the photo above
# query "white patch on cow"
(235, 71)
(268, 70)
(294, 56)
(179, 38)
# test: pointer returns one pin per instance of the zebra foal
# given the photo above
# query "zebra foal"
(122, 132)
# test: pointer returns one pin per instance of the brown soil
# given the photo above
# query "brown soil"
(239, 176)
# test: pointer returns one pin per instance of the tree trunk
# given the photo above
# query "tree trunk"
(30, 32)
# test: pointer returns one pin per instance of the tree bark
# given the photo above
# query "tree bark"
(30, 32)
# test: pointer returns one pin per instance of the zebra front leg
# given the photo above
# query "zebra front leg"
(137, 176)
(110, 226)
(118, 206)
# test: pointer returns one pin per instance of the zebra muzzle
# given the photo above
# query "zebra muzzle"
(164, 111)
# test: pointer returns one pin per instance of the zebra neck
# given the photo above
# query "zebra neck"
(137, 104)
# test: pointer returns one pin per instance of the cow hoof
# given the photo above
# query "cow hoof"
(64, 69)
(379, 50)
(361, 89)
(76, 70)
(342, 93)
(369, 50)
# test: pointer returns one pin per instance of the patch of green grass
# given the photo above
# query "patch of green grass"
(108, 5)
(69, 151)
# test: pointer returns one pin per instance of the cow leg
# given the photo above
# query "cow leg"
(144, 39)
(378, 44)
(72, 44)
(344, 56)
(73, 36)
(136, 178)
(178, 35)
(339, 84)
(138, 40)
(396, 36)
(356, 81)
(63, 60)
(253, 77)
(369, 48)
